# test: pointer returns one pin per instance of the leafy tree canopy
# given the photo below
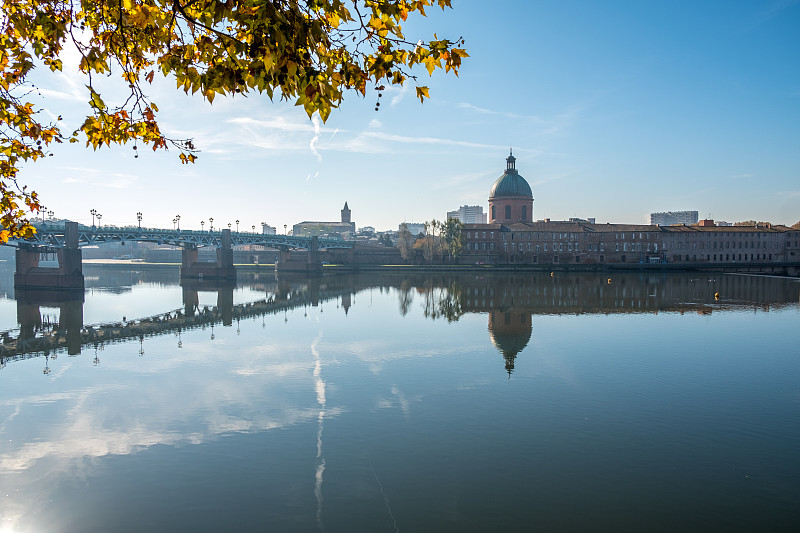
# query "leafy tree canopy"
(308, 51)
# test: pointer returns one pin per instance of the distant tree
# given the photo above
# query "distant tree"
(452, 236)
(405, 241)
(430, 242)
(752, 223)
(307, 51)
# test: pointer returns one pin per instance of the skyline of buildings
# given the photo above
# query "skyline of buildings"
(512, 236)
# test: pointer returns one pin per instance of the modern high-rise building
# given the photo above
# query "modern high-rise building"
(415, 228)
(468, 214)
(670, 218)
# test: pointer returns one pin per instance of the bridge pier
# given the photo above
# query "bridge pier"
(224, 290)
(70, 316)
(68, 276)
(223, 268)
(309, 262)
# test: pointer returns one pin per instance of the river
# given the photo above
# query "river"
(401, 402)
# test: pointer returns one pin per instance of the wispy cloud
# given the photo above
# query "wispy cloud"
(507, 114)
(427, 140)
(550, 126)
(401, 94)
(278, 133)
(312, 144)
(274, 123)
(774, 9)
(118, 181)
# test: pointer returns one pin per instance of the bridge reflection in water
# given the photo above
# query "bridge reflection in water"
(509, 301)
(39, 335)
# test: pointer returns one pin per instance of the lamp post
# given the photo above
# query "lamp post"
(284, 230)
(178, 218)
(50, 214)
(202, 224)
(229, 225)
(174, 220)
(93, 212)
(254, 228)
(210, 224)
(139, 219)
(99, 216)
(237, 225)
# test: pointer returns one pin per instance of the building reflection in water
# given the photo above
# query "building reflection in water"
(508, 300)
(510, 332)
(511, 301)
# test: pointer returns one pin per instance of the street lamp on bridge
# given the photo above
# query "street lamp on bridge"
(139, 218)
(99, 216)
(93, 212)
(202, 225)
(50, 214)
(210, 224)
(237, 225)
(254, 228)
(178, 219)
(284, 230)
(174, 220)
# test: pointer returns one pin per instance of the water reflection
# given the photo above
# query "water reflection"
(287, 417)
(509, 301)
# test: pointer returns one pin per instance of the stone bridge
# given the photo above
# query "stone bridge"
(65, 242)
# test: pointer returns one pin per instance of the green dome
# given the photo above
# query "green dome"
(510, 183)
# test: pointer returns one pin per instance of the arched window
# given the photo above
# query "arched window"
(524, 212)
(508, 212)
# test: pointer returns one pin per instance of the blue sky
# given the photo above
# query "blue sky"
(614, 110)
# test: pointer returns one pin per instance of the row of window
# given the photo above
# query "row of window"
(725, 257)
(480, 246)
(635, 247)
(727, 244)
(621, 236)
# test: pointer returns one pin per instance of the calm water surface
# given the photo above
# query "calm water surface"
(402, 403)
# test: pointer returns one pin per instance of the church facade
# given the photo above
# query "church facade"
(344, 228)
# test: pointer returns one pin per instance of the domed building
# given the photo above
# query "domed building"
(511, 198)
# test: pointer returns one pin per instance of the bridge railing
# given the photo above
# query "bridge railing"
(52, 235)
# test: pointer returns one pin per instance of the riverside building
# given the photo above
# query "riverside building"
(512, 237)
